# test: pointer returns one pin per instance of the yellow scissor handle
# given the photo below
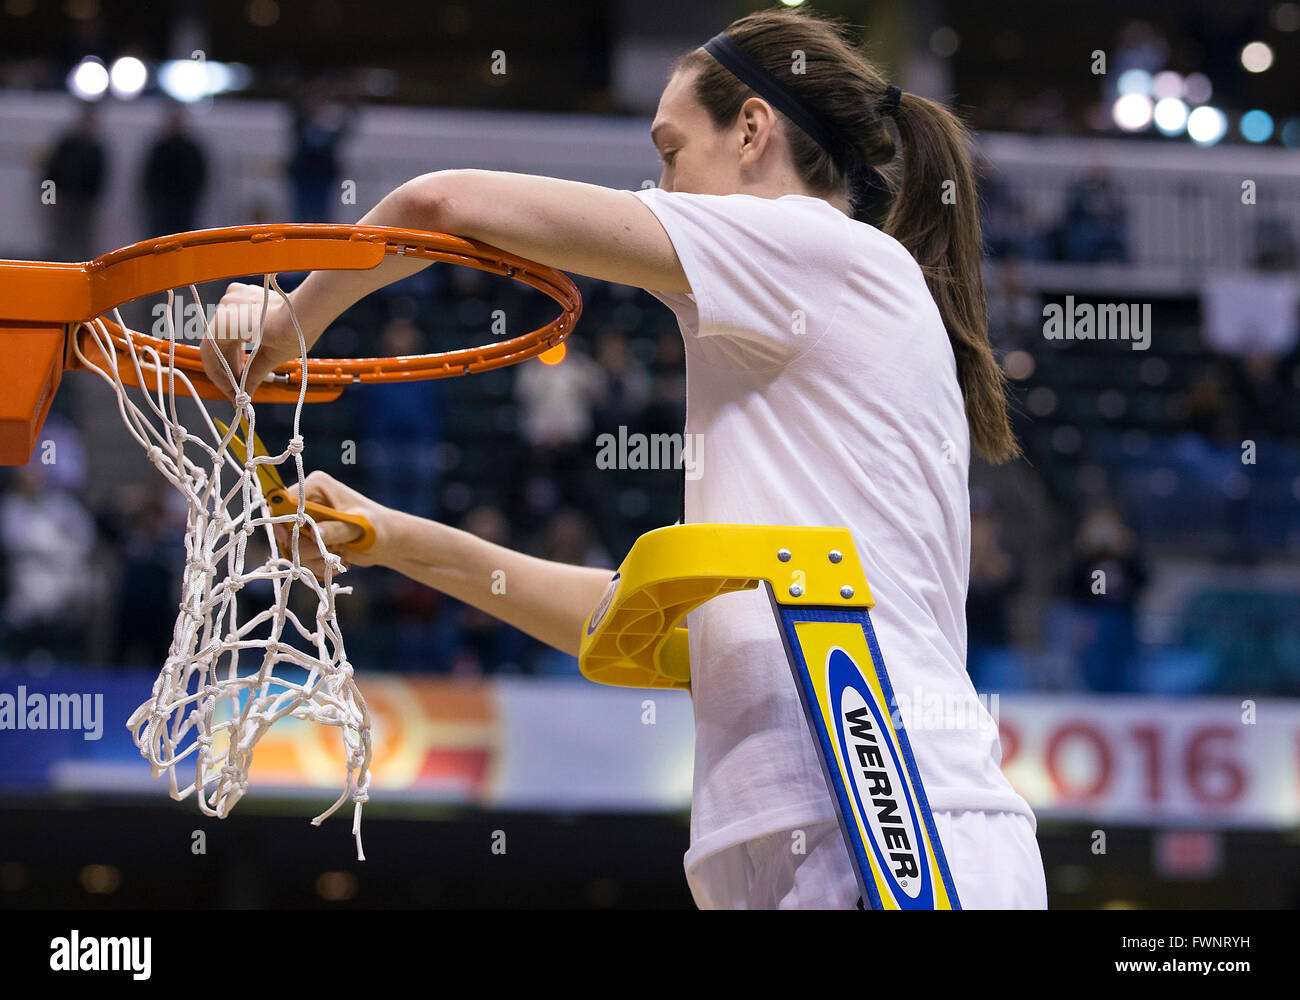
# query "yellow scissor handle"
(284, 502)
(632, 638)
(281, 501)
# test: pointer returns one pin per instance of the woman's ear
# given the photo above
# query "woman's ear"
(758, 123)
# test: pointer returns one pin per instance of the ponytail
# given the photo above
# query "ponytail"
(935, 215)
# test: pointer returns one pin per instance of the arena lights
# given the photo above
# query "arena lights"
(1134, 81)
(1286, 17)
(1166, 84)
(1256, 126)
(263, 13)
(127, 77)
(1291, 133)
(1197, 88)
(1171, 116)
(944, 42)
(186, 80)
(1207, 125)
(88, 79)
(1256, 57)
(190, 80)
(1132, 112)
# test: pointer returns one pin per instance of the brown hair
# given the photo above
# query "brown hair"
(943, 234)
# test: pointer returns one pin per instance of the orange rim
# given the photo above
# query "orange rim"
(78, 293)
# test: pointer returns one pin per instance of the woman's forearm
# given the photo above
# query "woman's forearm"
(325, 295)
(581, 228)
(548, 600)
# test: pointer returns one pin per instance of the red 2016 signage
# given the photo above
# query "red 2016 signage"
(1142, 759)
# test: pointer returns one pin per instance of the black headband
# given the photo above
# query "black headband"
(745, 69)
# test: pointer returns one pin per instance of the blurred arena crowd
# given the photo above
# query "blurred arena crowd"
(1134, 469)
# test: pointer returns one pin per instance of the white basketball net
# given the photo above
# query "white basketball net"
(226, 680)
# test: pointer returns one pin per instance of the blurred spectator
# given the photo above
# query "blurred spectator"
(556, 402)
(1140, 46)
(1015, 311)
(1275, 246)
(568, 538)
(412, 629)
(313, 167)
(402, 425)
(77, 165)
(483, 644)
(994, 579)
(1011, 230)
(175, 174)
(46, 541)
(62, 445)
(666, 413)
(149, 536)
(670, 353)
(1106, 580)
(557, 399)
(624, 389)
(258, 213)
(1212, 411)
(1094, 228)
(1264, 395)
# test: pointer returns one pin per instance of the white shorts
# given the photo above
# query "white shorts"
(993, 858)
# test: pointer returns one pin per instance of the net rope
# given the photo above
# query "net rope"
(235, 666)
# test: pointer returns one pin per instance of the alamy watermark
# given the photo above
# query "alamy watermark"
(190, 321)
(75, 953)
(34, 711)
(945, 710)
(1103, 321)
(651, 451)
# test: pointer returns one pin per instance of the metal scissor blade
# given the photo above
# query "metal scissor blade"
(268, 476)
(278, 497)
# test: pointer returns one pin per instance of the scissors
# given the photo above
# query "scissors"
(281, 501)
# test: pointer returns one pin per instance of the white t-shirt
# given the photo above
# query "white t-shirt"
(820, 375)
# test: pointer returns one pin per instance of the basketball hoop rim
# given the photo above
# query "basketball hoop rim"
(75, 294)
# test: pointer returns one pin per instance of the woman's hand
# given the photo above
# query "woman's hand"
(235, 328)
(324, 489)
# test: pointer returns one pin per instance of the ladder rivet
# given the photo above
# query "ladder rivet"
(836, 555)
(796, 590)
(783, 555)
(846, 592)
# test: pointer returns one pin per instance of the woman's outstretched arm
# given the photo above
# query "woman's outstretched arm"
(581, 228)
(548, 600)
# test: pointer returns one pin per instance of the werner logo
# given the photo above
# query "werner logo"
(602, 608)
(878, 784)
